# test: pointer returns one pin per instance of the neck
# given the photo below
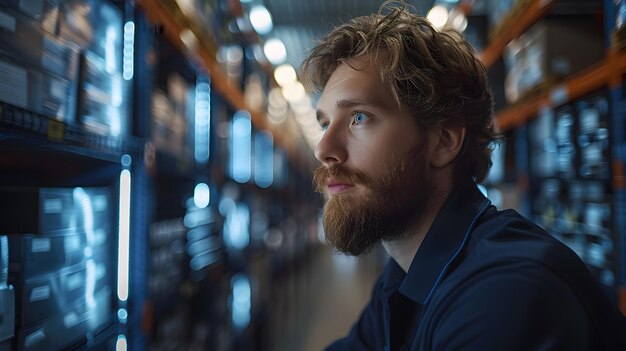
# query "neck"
(403, 250)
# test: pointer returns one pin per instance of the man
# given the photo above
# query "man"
(408, 127)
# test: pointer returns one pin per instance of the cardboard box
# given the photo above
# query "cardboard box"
(47, 210)
(99, 213)
(50, 294)
(14, 84)
(169, 127)
(94, 25)
(50, 96)
(25, 42)
(33, 255)
(593, 137)
(7, 312)
(70, 328)
(551, 50)
(45, 12)
(101, 97)
(37, 210)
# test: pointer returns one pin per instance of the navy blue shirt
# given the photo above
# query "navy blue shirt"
(487, 280)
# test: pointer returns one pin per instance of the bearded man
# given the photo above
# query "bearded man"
(408, 131)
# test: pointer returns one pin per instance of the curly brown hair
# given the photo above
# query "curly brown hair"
(435, 74)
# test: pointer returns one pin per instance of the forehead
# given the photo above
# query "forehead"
(357, 79)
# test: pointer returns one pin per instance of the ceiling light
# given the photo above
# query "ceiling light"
(261, 19)
(186, 6)
(189, 39)
(438, 16)
(285, 75)
(458, 20)
(294, 92)
(275, 51)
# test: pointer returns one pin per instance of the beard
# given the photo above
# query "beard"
(354, 222)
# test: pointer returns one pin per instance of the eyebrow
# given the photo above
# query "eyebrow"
(349, 103)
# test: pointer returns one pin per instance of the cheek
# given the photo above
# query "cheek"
(373, 151)
(369, 150)
(370, 162)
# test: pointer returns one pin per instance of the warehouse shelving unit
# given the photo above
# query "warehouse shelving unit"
(69, 151)
(607, 74)
(178, 27)
(514, 28)
(203, 306)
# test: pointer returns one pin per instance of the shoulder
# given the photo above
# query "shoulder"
(505, 243)
(509, 258)
(508, 236)
(519, 304)
(512, 278)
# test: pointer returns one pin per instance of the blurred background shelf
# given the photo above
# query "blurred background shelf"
(607, 73)
(519, 18)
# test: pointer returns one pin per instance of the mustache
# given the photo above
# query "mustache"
(339, 173)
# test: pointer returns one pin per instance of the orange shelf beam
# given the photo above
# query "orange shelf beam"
(534, 12)
(607, 72)
(465, 6)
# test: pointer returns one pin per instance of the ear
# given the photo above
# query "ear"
(446, 143)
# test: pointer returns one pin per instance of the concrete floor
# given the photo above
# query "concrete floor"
(337, 288)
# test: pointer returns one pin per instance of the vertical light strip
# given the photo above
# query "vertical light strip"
(203, 119)
(4, 260)
(201, 195)
(121, 344)
(241, 147)
(129, 50)
(124, 236)
(263, 159)
(241, 300)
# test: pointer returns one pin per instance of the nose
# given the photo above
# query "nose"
(331, 149)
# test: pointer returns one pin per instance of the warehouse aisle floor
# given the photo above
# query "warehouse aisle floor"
(337, 289)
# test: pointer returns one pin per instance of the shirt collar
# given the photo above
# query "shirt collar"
(444, 241)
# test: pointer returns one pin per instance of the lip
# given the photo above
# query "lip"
(337, 187)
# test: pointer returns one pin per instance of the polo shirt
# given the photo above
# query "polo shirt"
(485, 279)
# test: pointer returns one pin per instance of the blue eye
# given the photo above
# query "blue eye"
(359, 117)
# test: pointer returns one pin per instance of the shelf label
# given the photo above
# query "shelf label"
(40, 245)
(55, 130)
(40, 293)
